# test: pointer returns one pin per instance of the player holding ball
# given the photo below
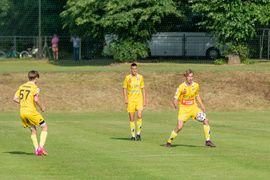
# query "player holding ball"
(186, 94)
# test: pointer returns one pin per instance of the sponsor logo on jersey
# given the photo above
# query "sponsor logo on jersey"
(193, 89)
(187, 102)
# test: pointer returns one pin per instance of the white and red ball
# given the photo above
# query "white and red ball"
(201, 116)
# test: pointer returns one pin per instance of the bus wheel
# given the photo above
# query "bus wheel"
(212, 53)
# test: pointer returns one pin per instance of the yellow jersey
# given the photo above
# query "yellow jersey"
(26, 94)
(133, 84)
(186, 95)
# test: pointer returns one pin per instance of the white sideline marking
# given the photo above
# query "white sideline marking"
(171, 155)
(167, 155)
(68, 121)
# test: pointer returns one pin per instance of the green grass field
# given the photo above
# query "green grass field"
(96, 146)
(86, 66)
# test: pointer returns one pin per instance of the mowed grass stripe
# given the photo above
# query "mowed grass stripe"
(97, 146)
(107, 66)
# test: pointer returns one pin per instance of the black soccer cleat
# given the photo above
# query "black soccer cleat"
(132, 139)
(138, 137)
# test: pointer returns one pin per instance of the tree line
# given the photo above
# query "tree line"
(135, 21)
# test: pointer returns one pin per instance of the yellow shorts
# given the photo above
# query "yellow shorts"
(133, 106)
(184, 114)
(30, 119)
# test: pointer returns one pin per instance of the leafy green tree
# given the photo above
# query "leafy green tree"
(132, 21)
(233, 21)
(5, 6)
(7, 16)
(188, 21)
(83, 17)
(20, 18)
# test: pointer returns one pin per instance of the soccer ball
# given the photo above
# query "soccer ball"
(200, 116)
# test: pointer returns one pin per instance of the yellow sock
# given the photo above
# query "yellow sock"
(172, 137)
(43, 137)
(207, 132)
(35, 141)
(132, 128)
(139, 126)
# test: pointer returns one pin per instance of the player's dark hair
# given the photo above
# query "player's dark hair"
(188, 71)
(32, 75)
(133, 64)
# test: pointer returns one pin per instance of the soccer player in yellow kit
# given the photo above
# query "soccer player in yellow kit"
(135, 100)
(27, 96)
(186, 94)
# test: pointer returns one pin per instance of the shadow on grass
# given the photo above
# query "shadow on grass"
(20, 152)
(73, 63)
(177, 60)
(181, 145)
(125, 139)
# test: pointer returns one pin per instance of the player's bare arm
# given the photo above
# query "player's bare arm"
(17, 100)
(199, 100)
(42, 108)
(175, 103)
(125, 95)
(144, 97)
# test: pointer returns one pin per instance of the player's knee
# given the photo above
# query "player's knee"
(33, 130)
(206, 122)
(139, 116)
(44, 128)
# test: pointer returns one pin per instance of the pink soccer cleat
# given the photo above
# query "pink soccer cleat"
(209, 143)
(38, 153)
(42, 150)
(168, 145)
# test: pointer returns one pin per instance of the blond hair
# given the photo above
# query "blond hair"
(32, 75)
(188, 71)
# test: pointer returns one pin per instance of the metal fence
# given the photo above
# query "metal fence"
(163, 48)
(88, 50)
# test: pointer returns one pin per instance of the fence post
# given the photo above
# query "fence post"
(39, 31)
(268, 52)
(184, 45)
(261, 41)
(80, 50)
(39, 47)
(15, 43)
